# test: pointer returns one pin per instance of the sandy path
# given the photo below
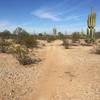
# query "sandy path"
(69, 75)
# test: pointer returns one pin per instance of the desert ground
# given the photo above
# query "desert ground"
(62, 74)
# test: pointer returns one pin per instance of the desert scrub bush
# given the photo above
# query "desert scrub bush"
(75, 36)
(21, 53)
(66, 43)
(27, 40)
(60, 36)
(24, 38)
(51, 38)
(4, 45)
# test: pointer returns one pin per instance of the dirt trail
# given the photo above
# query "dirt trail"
(51, 76)
(69, 75)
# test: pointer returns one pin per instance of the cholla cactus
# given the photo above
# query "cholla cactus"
(91, 22)
(4, 45)
(17, 48)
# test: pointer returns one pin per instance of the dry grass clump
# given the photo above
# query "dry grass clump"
(27, 40)
(66, 44)
(75, 37)
(4, 46)
(21, 53)
(51, 38)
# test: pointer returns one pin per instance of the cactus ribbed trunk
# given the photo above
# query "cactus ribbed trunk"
(91, 22)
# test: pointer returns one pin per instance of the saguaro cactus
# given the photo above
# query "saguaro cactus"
(91, 22)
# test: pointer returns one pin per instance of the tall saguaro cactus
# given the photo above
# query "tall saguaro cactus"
(91, 22)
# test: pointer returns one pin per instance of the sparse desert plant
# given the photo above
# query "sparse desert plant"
(75, 36)
(21, 53)
(29, 42)
(60, 35)
(66, 44)
(4, 45)
(24, 38)
(51, 38)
